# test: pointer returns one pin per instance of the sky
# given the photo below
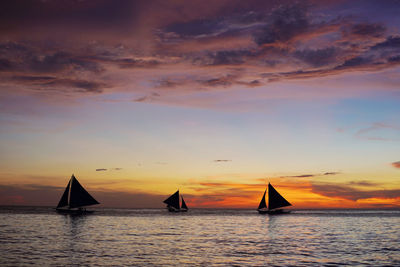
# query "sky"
(214, 98)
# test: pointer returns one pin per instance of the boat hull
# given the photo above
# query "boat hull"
(172, 209)
(74, 211)
(274, 212)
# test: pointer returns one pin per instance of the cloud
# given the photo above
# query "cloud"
(300, 176)
(195, 28)
(287, 22)
(351, 193)
(318, 57)
(111, 169)
(30, 194)
(331, 173)
(224, 57)
(222, 160)
(58, 85)
(363, 183)
(379, 132)
(391, 42)
(159, 50)
(396, 164)
(368, 29)
(311, 175)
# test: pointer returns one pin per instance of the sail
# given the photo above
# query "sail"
(275, 200)
(64, 199)
(184, 207)
(79, 196)
(173, 200)
(263, 204)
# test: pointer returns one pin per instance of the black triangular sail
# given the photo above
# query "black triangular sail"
(184, 207)
(64, 199)
(173, 200)
(275, 200)
(79, 197)
(263, 204)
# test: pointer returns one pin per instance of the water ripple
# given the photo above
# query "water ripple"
(199, 238)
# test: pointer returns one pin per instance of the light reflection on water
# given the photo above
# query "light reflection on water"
(199, 237)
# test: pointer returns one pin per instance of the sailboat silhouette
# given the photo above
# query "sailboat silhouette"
(74, 198)
(173, 203)
(275, 201)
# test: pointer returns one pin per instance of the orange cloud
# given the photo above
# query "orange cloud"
(396, 164)
(302, 193)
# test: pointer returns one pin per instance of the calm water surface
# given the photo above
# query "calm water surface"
(199, 238)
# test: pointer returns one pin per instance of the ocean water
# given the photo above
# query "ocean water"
(154, 237)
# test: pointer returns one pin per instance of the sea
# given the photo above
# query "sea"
(39, 236)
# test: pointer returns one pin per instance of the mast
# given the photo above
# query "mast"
(263, 204)
(275, 200)
(69, 190)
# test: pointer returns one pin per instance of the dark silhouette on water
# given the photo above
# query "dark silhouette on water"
(275, 201)
(75, 197)
(173, 203)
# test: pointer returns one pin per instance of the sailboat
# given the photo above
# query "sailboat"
(173, 203)
(275, 202)
(74, 198)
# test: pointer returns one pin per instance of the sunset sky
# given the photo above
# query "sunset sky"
(216, 98)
